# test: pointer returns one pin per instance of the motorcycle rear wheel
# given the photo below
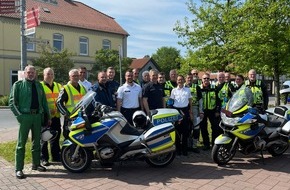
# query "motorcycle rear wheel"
(221, 153)
(79, 164)
(277, 149)
(161, 160)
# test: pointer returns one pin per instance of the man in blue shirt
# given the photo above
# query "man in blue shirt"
(103, 90)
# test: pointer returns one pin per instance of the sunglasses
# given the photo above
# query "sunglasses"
(206, 78)
(194, 73)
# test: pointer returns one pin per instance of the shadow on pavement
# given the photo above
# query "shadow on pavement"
(139, 173)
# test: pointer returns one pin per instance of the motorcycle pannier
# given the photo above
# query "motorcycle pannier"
(160, 137)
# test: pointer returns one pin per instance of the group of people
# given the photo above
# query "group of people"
(37, 104)
(199, 100)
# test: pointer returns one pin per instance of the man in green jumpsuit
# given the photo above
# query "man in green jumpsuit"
(28, 103)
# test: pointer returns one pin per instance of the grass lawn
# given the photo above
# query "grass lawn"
(7, 151)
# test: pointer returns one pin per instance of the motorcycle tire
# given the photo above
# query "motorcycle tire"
(78, 164)
(277, 149)
(161, 160)
(221, 153)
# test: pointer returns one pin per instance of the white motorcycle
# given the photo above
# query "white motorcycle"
(112, 139)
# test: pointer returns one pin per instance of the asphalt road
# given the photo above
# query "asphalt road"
(7, 120)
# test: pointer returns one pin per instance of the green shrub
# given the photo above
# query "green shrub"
(4, 101)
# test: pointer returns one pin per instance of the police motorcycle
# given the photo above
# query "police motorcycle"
(248, 131)
(112, 139)
(283, 109)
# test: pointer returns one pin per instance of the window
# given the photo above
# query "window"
(13, 77)
(106, 44)
(84, 45)
(30, 45)
(58, 42)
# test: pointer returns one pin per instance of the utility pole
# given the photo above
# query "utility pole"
(120, 62)
(23, 37)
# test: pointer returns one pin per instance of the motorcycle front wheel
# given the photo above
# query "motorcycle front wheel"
(78, 164)
(221, 153)
(161, 160)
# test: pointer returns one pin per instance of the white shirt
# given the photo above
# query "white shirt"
(181, 97)
(86, 84)
(130, 95)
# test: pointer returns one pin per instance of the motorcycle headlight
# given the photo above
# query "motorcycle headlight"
(231, 121)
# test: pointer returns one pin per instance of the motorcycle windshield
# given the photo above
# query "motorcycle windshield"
(84, 102)
(242, 97)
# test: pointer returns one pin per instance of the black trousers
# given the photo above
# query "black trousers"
(54, 144)
(216, 130)
(128, 113)
(65, 130)
(182, 130)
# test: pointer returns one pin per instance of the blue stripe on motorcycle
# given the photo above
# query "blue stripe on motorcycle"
(78, 121)
(159, 130)
(164, 141)
(97, 133)
(246, 117)
(253, 132)
(110, 123)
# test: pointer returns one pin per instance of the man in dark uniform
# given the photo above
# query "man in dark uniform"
(153, 94)
(103, 90)
(112, 83)
(211, 109)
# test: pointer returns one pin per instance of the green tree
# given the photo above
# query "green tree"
(167, 58)
(263, 39)
(238, 35)
(207, 35)
(110, 58)
(60, 62)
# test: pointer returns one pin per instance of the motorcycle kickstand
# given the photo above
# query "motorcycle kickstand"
(262, 155)
(119, 167)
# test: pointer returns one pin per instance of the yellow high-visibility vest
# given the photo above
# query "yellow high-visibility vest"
(256, 90)
(209, 98)
(74, 96)
(51, 97)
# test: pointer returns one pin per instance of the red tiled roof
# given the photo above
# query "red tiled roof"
(76, 14)
(139, 63)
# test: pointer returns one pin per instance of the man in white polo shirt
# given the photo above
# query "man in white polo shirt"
(129, 97)
(83, 81)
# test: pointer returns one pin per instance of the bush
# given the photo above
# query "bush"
(4, 101)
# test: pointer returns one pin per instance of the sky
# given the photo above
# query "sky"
(150, 23)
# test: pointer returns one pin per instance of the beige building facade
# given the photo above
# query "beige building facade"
(82, 37)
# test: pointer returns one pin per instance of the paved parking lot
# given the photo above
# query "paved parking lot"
(195, 171)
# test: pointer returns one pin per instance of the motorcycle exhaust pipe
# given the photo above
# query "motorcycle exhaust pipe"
(276, 142)
(153, 154)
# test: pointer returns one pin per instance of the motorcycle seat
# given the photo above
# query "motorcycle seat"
(129, 130)
(280, 110)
